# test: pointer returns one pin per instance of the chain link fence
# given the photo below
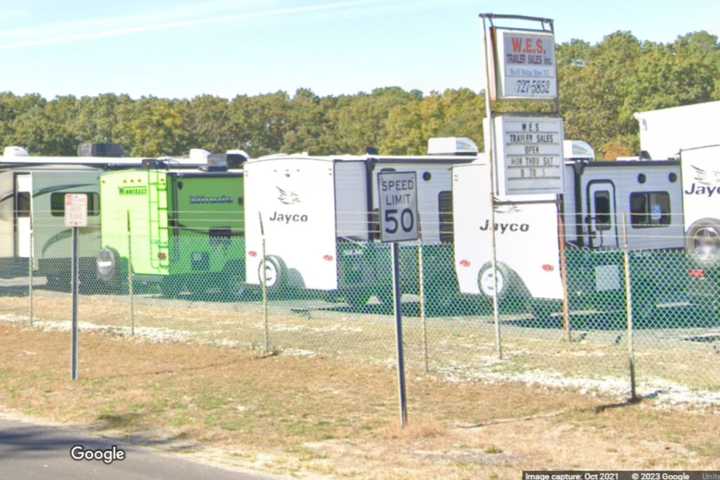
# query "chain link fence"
(649, 313)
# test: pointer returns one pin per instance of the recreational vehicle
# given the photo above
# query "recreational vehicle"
(32, 193)
(689, 134)
(180, 229)
(597, 198)
(317, 218)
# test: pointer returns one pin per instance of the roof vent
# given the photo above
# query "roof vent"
(451, 146)
(100, 150)
(15, 152)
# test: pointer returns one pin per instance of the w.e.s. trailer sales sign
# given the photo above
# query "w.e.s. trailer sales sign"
(526, 66)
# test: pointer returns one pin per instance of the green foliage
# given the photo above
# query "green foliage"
(601, 86)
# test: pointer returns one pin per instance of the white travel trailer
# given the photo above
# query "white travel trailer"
(596, 198)
(319, 219)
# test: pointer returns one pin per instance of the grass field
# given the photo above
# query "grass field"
(459, 348)
(321, 415)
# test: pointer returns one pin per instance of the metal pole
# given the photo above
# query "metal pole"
(563, 269)
(131, 290)
(30, 275)
(491, 148)
(395, 253)
(74, 282)
(421, 297)
(629, 308)
(264, 287)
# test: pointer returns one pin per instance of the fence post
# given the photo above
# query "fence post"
(629, 308)
(263, 281)
(30, 276)
(563, 270)
(131, 290)
(421, 299)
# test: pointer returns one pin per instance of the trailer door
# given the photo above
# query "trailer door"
(602, 218)
(23, 192)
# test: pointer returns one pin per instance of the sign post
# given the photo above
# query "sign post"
(520, 64)
(75, 217)
(398, 223)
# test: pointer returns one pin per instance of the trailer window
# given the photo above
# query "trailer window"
(22, 204)
(601, 200)
(445, 216)
(649, 209)
(57, 203)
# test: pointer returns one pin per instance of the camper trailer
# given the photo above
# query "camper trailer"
(317, 217)
(32, 203)
(32, 194)
(32, 191)
(179, 229)
(689, 133)
(597, 198)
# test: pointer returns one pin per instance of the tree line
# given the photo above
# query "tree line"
(601, 86)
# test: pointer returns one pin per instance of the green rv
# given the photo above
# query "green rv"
(179, 229)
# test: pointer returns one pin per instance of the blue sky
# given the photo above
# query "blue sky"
(183, 48)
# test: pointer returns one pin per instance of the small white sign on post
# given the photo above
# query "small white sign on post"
(529, 155)
(526, 67)
(76, 210)
(398, 206)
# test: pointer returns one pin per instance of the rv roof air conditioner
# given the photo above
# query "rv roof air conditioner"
(15, 152)
(451, 146)
(578, 150)
(235, 158)
(100, 150)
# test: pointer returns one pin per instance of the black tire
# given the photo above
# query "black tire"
(703, 242)
(485, 281)
(275, 273)
(107, 265)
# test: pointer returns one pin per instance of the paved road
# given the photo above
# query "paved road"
(38, 452)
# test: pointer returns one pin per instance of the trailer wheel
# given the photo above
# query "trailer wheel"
(485, 281)
(106, 265)
(275, 273)
(703, 241)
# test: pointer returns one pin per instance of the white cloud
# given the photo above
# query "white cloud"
(181, 16)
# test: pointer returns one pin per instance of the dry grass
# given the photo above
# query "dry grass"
(326, 416)
(460, 347)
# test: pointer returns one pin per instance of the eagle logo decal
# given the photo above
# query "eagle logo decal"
(287, 198)
(704, 177)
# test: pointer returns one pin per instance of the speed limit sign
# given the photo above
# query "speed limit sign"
(398, 206)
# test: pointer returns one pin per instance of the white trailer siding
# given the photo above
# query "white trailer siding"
(351, 201)
(7, 198)
(526, 237)
(663, 133)
(628, 182)
(701, 185)
(296, 199)
(433, 179)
